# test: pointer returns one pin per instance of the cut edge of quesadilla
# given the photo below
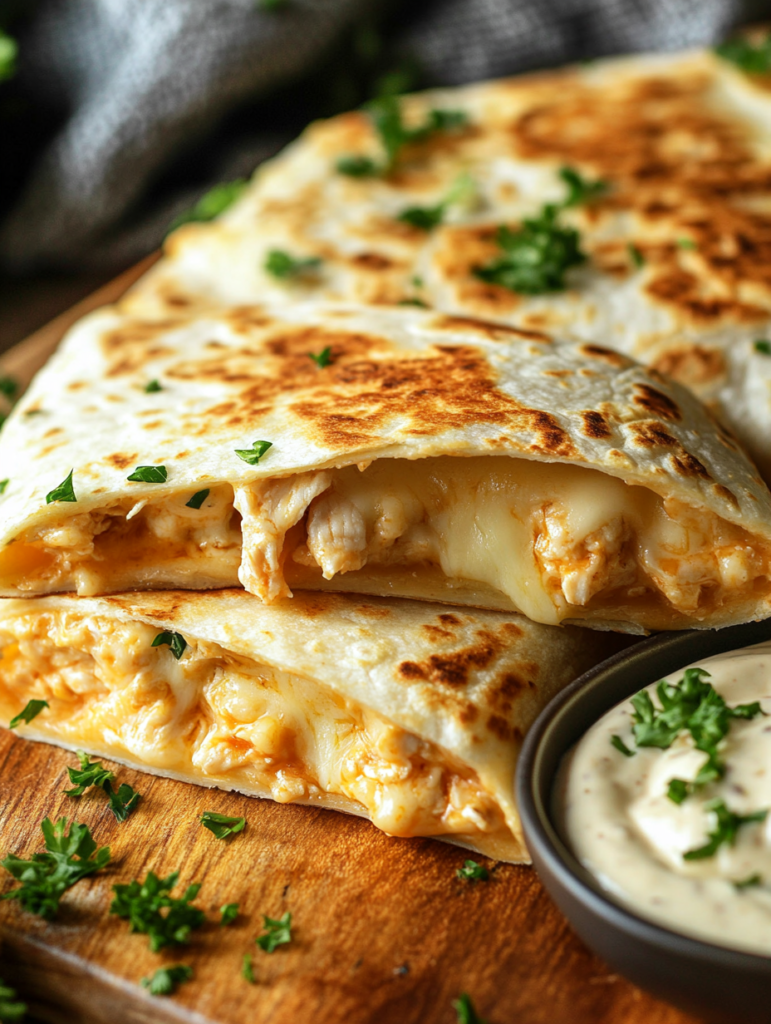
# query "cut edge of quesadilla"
(556, 542)
(316, 730)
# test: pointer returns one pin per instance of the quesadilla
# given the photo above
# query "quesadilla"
(380, 451)
(671, 263)
(411, 715)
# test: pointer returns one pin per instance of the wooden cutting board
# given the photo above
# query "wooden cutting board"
(383, 930)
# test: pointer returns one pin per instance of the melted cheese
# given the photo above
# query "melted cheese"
(553, 541)
(233, 722)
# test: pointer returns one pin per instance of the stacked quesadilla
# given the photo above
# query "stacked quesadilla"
(268, 525)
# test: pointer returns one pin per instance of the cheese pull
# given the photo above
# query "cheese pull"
(398, 711)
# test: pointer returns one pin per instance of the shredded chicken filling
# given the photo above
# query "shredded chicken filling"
(559, 541)
(232, 722)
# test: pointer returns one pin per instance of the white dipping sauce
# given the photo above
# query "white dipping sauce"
(625, 830)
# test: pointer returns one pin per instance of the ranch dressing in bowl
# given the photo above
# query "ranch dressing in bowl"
(693, 854)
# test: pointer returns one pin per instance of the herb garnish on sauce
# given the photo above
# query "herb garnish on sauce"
(727, 824)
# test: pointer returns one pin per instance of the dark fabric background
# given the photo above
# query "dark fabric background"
(123, 111)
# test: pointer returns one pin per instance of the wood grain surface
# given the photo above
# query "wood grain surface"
(383, 930)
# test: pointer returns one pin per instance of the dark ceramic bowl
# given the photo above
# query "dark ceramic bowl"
(714, 983)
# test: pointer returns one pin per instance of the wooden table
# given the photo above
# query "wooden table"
(383, 930)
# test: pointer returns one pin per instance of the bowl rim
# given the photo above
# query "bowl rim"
(536, 814)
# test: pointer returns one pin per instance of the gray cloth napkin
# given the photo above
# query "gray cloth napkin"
(141, 79)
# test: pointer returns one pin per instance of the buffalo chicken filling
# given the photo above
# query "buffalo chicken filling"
(553, 541)
(230, 722)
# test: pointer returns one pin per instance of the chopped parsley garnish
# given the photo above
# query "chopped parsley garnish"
(255, 453)
(621, 747)
(277, 933)
(229, 913)
(198, 499)
(427, 217)
(149, 909)
(473, 872)
(11, 1009)
(31, 710)
(635, 256)
(64, 492)
(152, 386)
(413, 302)
(464, 1008)
(175, 641)
(149, 475)
(69, 856)
(580, 189)
(753, 58)
(323, 358)
(748, 883)
(124, 801)
(385, 113)
(686, 243)
(93, 773)
(727, 824)
(9, 50)
(167, 979)
(221, 825)
(3, 485)
(761, 345)
(90, 773)
(695, 706)
(282, 265)
(246, 969)
(212, 203)
(536, 256)
(9, 386)
(678, 790)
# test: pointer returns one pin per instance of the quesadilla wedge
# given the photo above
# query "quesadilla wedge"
(677, 245)
(411, 715)
(394, 452)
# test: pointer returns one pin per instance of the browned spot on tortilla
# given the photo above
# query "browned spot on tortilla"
(373, 611)
(76, 385)
(372, 261)
(688, 465)
(650, 434)
(502, 729)
(53, 432)
(121, 461)
(657, 402)
(495, 332)
(454, 668)
(448, 619)
(726, 495)
(468, 714)
(691, 365)
(594, 424)
(606, 355)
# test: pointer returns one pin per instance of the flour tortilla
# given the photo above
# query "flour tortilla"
(512, 446)
(302, 701)
(684, 141)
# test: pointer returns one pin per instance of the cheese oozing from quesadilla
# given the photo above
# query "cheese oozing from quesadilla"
(552, 541)
(302, 721)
